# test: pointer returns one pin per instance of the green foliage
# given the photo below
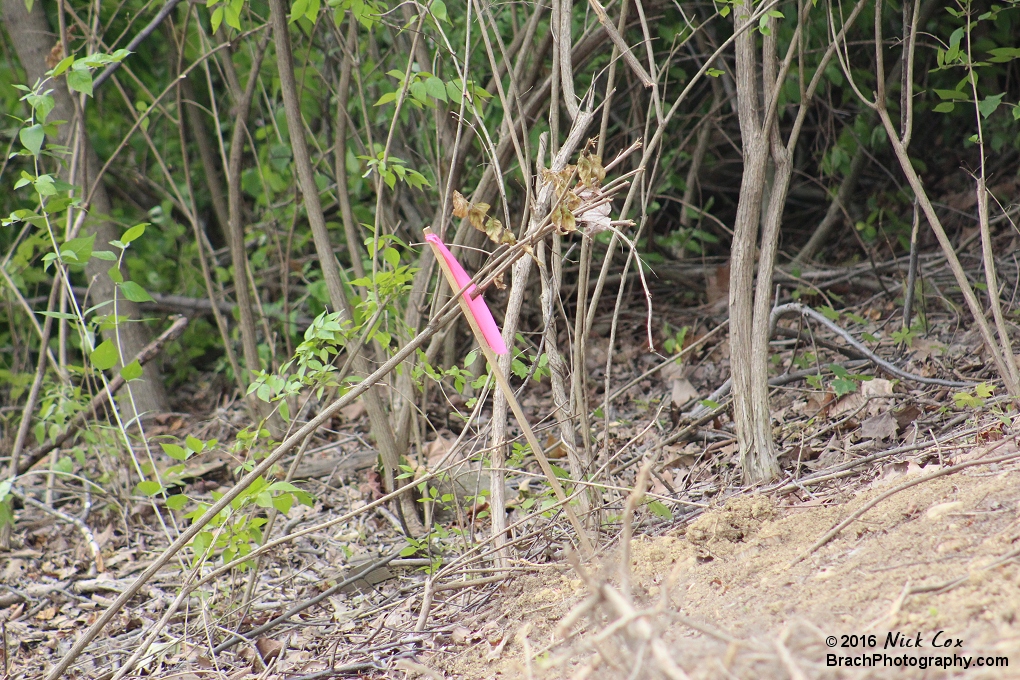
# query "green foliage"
(981, 79)
(907, 334)
(842, 384)
(392, 169)
(524, 365)
(236, 529)
(674, 343)
(228, 11)
(660, 510)
(428, 90)
(974, 398)
(367, 12)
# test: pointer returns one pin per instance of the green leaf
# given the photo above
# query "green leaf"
(58, 315)
(436, 88)
(195, 444)
(105, 356)
(952, 95)
(148, 488)
(216, 19)
(953, 53)
(386, 98)
(133, 233)
(1001, 55)
(453, 92)
(177, 501)
(829, 313)
(232, 13)
(945, 107)
(115, 275)
(313, 10)
(297, 10)
(438, 9)
(132, 291)
(80, 80)
(32, 138)
(856, 318)
(392, 257)
(659, 509)
(64, 64)
(81, 248)
(174, 451)
(132, 371)
(708, 403)
(418, 91)
(283, 503)
(842, 386)
(988, 105)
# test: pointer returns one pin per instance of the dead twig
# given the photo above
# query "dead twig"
(311, 602)
(90, 539)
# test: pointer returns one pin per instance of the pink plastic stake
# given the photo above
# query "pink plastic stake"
(475, 302)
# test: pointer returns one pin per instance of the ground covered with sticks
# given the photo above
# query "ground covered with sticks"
(898, 517)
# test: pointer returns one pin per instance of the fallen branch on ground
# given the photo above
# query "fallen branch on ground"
(796, 307)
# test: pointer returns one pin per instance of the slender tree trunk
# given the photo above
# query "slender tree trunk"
(754, 433)
(351, 229)
(209, 157)
(382, 429)
(235, 232)
(32, 39)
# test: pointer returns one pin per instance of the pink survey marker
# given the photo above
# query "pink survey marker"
(475, 302)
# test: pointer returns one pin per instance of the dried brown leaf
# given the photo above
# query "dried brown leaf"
(478, 215)
(268, 648)
(589, 169)
(460, 205)
(564, 220)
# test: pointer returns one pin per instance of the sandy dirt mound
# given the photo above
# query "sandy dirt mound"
(940, 556)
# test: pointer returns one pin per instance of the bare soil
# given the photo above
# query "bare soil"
(927, 560)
